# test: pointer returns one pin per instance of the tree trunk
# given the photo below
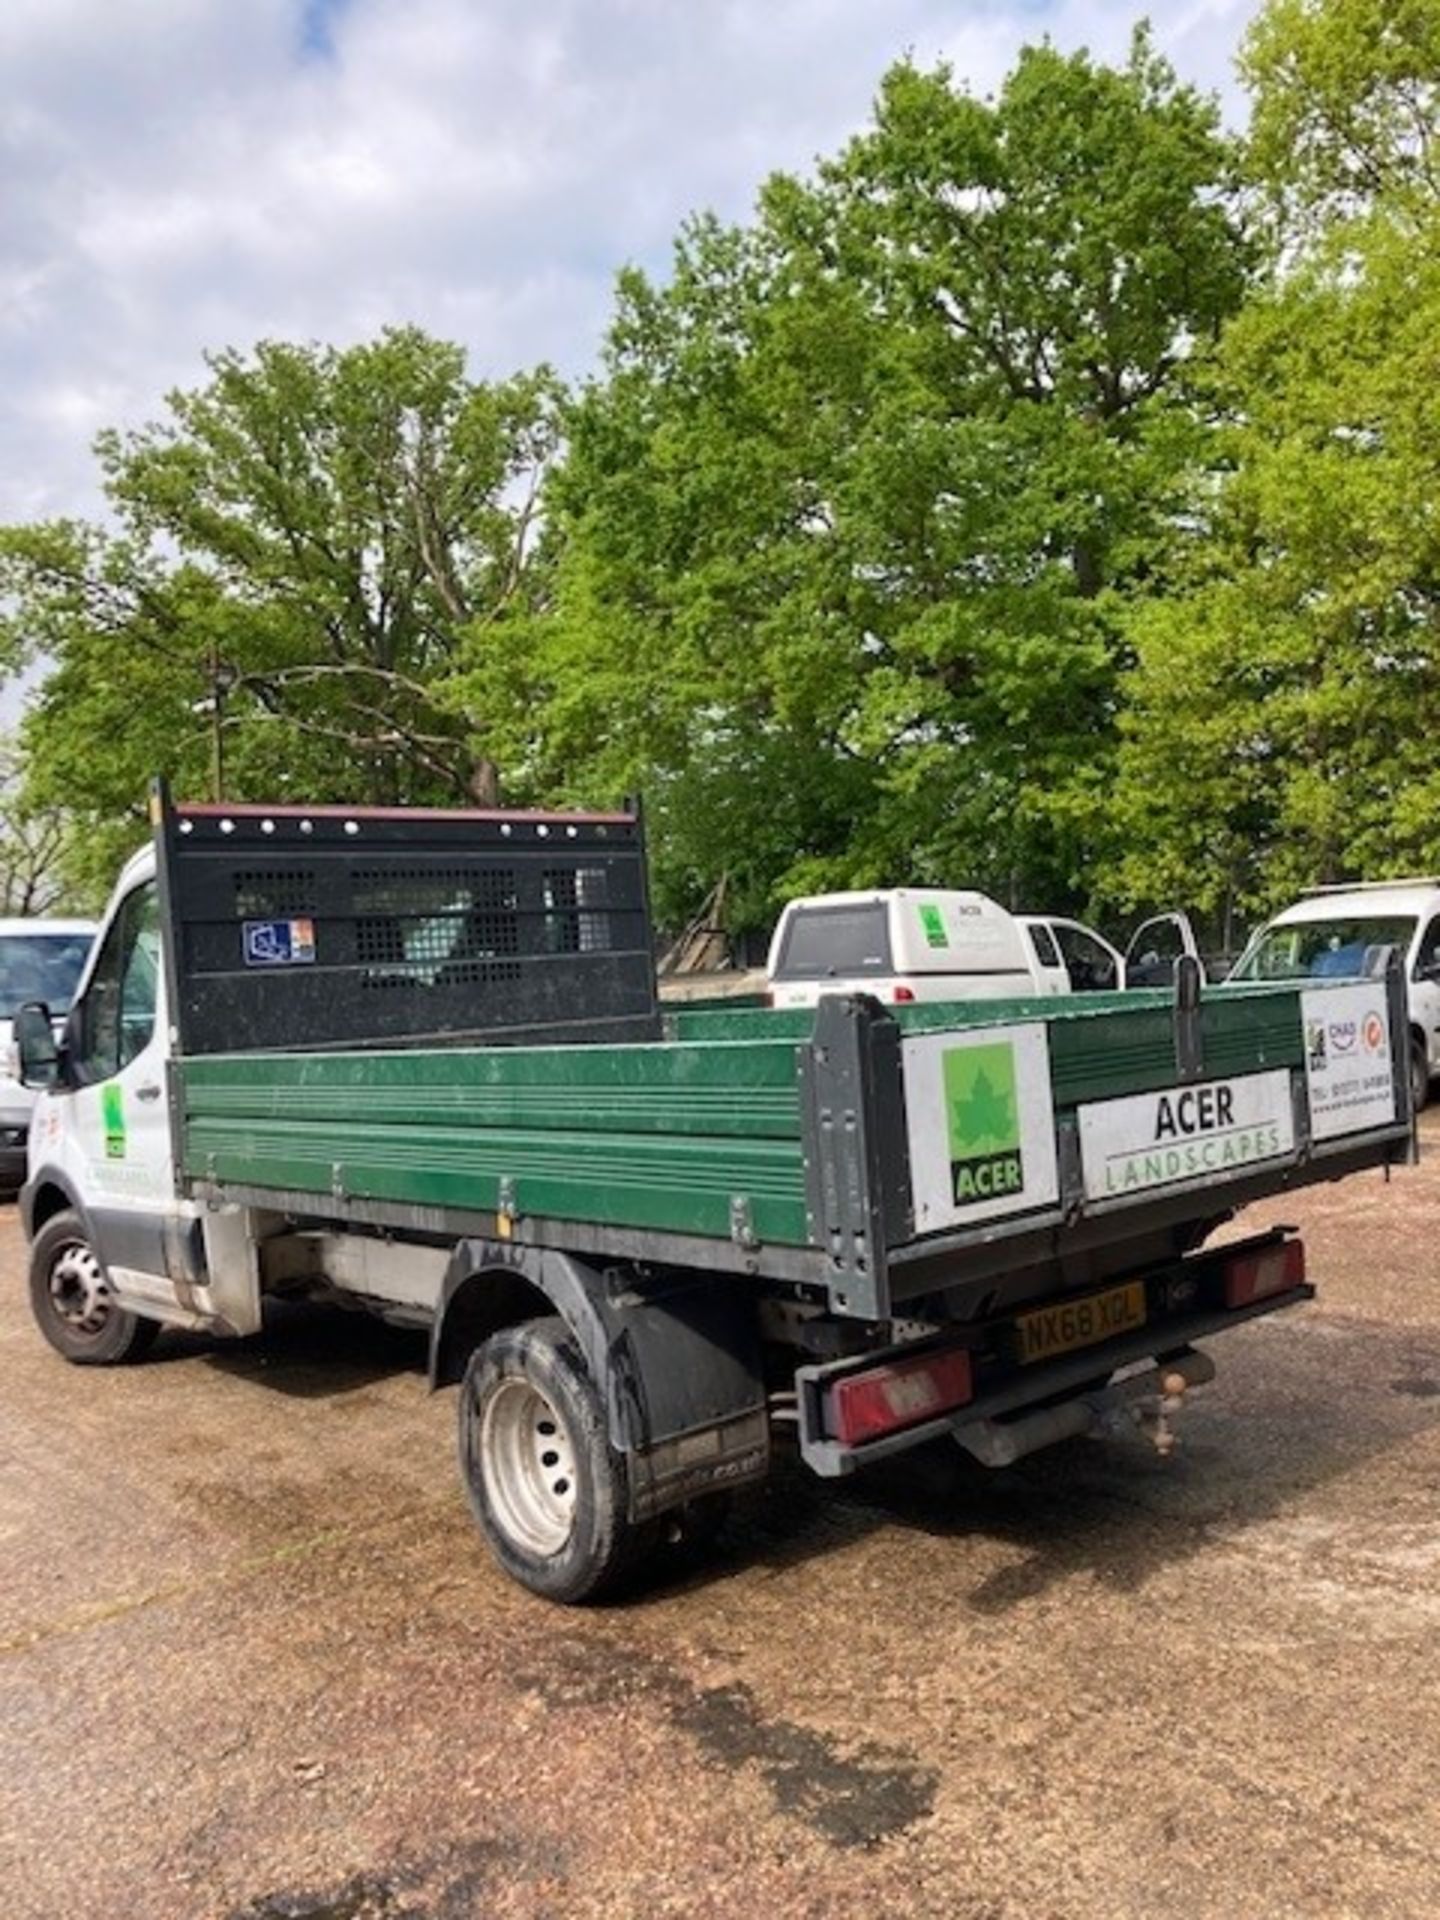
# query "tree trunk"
(485, 783)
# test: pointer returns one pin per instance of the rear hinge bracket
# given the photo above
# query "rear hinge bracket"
(742, 1227)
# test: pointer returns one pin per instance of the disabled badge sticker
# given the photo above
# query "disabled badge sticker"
(279, 943)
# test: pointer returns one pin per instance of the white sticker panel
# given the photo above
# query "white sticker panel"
(1349, 1071)
(980, 1124)
(1184, 1133)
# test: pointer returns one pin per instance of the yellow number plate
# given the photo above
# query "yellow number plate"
(1080, 1323)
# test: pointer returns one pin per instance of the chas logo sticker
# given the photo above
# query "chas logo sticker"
(279, 943)
(982, 1123)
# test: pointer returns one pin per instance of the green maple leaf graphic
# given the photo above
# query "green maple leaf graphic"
(984, 1114)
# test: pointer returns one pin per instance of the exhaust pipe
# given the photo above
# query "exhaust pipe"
(1148, 1399)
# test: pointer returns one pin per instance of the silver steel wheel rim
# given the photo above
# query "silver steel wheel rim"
(528, 1465)
(79, 1291)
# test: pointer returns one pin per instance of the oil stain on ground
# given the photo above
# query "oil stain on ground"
(450, 1886)
(852, 1797)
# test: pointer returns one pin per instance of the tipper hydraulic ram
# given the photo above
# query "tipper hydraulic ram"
(414, 1061)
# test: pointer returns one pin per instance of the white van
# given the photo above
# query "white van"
(904, 944)
(39, 960)
(1332, 933)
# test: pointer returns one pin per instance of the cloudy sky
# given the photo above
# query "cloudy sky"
(177, 175)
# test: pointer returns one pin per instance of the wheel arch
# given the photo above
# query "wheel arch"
(42, 1197)
(676, 1356)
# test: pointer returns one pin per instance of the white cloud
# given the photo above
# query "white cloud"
(188, 174)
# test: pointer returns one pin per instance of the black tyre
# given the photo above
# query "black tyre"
(548, 1489)
(72, 1303)
(1419, 1077)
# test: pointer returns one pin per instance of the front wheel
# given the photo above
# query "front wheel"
(1419, 1077)
(73, 1305)
(549, 1491)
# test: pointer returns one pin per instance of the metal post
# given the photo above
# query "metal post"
(222, 678)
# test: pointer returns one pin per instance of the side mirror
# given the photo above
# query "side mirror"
(37, 1053)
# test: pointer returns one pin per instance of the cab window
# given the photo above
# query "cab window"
(116, 1018)
(1043, 942)
(1427, 954)
(830, 942)
(1091, 966)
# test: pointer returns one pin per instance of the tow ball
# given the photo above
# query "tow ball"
(1157, 1415)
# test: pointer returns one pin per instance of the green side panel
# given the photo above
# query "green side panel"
(674, 1185)
(742, 1090)
(657, 1137)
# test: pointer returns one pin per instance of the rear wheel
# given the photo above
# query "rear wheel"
(1419, 1076)
(549, 1491)
(72, 1300)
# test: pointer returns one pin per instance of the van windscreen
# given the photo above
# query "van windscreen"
(835, 942)
(40, 966)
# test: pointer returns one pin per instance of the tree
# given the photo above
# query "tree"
(298, 550)
(1346, 105)
(32, 843)
(1286, 694)
(849, 518)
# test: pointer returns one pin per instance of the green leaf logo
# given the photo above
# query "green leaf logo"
(980, 1104)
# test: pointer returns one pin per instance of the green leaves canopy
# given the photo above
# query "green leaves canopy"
(847, 523)
(1287, 692)
(319, 528)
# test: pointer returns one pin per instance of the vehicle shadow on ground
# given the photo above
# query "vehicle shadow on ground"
(306, 1351)
(1108, 1510)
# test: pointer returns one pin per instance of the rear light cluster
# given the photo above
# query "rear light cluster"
(884, 1399)
(903, 996)
(1253, 1276)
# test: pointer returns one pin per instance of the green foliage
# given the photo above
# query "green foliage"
(307, 539)
(987, 510)
(848, 522)
(1280, 718)
(1347, 104)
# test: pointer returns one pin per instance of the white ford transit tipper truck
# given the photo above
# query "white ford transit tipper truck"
(412, 1062)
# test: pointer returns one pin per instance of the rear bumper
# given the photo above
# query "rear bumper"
(1027, 1387)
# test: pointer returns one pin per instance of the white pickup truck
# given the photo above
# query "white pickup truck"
(908, 944)
(903, 945)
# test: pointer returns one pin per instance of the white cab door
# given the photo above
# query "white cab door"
(115, 1112)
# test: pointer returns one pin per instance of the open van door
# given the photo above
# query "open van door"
(1155, 947)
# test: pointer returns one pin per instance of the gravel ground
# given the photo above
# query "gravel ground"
(254, 1663)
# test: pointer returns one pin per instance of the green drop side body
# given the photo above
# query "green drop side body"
(666, 1137)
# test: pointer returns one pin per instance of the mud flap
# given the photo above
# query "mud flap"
(676, 1356)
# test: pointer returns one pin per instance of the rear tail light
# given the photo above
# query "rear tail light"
(902, 1394)
(902, 996)
(1252, 1276)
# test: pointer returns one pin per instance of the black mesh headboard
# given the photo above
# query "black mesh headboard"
(299, 927)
